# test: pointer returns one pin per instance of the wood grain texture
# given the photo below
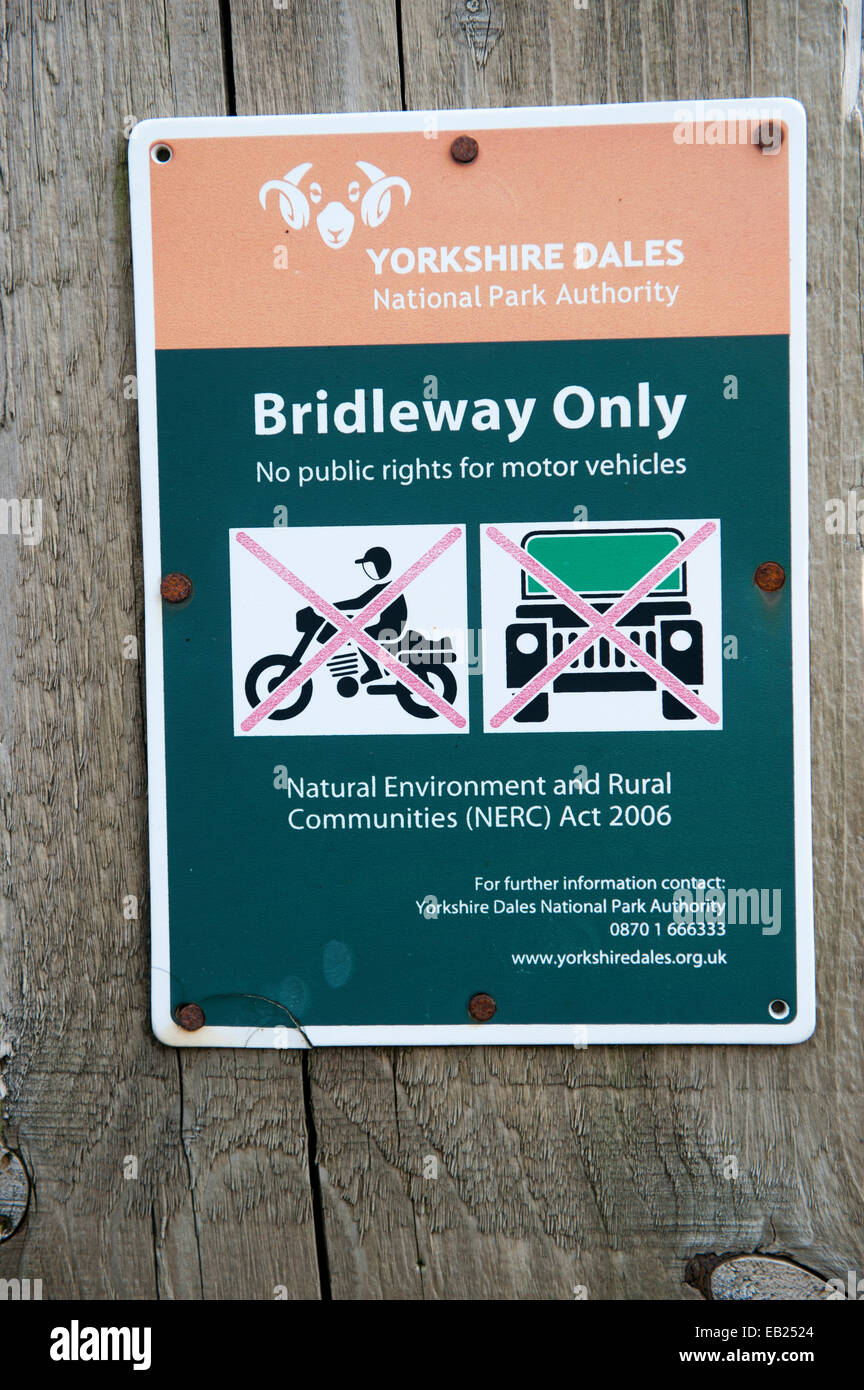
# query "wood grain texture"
(219, 1147)
(439, 1174)
(292, 56)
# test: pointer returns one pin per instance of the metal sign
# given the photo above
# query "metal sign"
(475, 554)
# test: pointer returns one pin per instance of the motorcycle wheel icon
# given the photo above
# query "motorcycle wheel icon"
(282, 667)
(433, 676)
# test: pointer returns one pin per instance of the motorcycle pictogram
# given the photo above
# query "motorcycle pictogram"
(428, 658)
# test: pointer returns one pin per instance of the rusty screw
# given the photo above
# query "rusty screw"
(482, 1007)
(175, 588)
(190, 1017)
(464, 149)
(769, 576)
(768, 135)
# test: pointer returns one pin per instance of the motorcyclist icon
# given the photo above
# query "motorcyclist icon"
(428, 658)
(391, 622)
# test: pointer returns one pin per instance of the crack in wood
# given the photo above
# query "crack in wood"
(318, 1213)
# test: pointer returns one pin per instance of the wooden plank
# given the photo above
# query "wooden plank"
(335, 55)
(560, 1170)
(137, 1174)
(342, 55)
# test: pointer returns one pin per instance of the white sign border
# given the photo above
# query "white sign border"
(143, 136)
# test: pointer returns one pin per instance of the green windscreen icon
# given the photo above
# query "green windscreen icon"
(603, 562)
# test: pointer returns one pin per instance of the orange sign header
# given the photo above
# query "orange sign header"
(553, 232)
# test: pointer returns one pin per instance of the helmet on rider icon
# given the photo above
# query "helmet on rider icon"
(378, 558)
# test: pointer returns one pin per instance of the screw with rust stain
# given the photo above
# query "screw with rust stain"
(481, 1007)
(175, 588)
(464, 149)
(768, 136)
(769, 576)
(190, 1017)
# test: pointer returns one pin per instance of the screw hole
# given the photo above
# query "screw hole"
(161, 154)
(778, 1008)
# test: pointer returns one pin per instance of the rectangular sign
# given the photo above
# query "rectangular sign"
(473, 457)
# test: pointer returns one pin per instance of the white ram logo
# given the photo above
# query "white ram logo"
(335, 221)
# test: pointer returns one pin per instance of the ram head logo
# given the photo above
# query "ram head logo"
(335, 221)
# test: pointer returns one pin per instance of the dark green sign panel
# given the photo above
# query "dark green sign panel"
(477, 725)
